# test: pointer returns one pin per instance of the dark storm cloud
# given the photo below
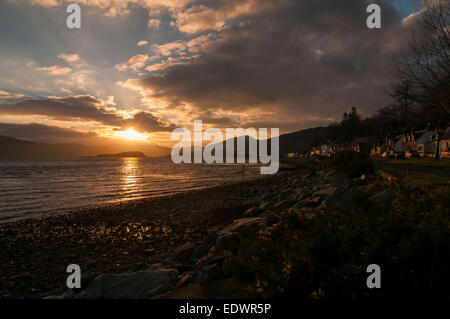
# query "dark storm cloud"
(44, 133)
(71, 108)
(146, 122)
(84, 108)
(303, 58)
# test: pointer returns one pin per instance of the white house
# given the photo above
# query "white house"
(399, 142)
(425, 144)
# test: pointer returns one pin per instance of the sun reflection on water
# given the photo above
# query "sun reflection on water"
(131, 171)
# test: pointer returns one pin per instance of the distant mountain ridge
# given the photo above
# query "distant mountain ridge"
(123, 154)
(299, 141)
(11, 147)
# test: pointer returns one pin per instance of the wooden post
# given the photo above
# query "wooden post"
(243, 181)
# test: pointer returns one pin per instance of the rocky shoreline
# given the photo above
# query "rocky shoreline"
(156, 248)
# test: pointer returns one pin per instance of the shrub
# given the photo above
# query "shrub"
(352, 164)
(326, 254)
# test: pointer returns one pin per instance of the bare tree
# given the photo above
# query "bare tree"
(424, 66)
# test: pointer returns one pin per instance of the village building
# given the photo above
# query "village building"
(398, 144)
(381, 147)
(426, 144)
(444, 145)
(327, 149)
(359, 144)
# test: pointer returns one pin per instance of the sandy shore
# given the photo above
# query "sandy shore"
(118, 238)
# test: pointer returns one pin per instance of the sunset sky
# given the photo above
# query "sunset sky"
(154, 65)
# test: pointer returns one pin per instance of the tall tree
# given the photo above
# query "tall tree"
(424, 66)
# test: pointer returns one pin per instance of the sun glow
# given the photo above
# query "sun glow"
(131, 134)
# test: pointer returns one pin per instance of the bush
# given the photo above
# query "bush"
(326, 254)
(352, 164)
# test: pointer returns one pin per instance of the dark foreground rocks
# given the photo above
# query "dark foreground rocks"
(137, 285)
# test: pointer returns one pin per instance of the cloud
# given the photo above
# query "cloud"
(55, 70)
(146, 122)
(72, 108)
(115, 8)
(85, 108)
(189, 16)
(69, 57)
(142, 43)
(134, 63)
(198, 18)
(4, 95)
(167, 48)
(307, 59)
(45, 133)
(154, 23)
(170, 62)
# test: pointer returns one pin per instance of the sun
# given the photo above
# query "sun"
(131, 134)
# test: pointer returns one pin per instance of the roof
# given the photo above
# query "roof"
(425, 137)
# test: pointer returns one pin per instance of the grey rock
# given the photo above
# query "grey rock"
(181, 253)
(252, 212)
(326, 191)
(285, 204)
(211, 258)
(208, 273)
(226, 245)
(264, 205)
(200, 251)
(245, 226)
(314, 202)
(138, 285)
(185, 279)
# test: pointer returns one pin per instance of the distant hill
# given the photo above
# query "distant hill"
(302, 141)
(124, 154)
(299, 141)
(12, 147)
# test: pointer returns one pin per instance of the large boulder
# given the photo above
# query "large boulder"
(226, 244)
(208, 273)
(252, 212)
(203, 249)
(137, 285)
(181, 254)
(245, 226)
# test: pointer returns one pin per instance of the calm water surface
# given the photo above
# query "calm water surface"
(34, 187)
